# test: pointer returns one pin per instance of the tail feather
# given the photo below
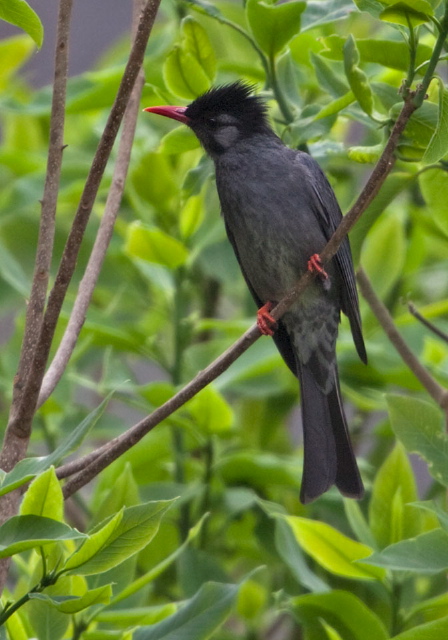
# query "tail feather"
(328, 453)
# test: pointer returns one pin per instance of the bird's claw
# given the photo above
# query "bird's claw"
(266, 323)
(315, 266)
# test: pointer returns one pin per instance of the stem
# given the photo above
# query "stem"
(208, 454)
(440, 42)
(176, 376)
(278, 93)
(429, 325)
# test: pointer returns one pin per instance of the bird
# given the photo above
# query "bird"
(279, 211)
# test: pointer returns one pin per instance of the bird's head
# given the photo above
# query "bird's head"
(221, 117)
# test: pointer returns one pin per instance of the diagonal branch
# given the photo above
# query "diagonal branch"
(429, 325)
(435, 390)
(93, 464)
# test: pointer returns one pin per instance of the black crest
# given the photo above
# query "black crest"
(236, 99)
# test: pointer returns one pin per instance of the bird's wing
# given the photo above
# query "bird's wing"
(329, 215)
(281, 336)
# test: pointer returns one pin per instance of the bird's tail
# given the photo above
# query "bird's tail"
(328, 453)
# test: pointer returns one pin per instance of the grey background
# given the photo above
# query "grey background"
(96, 24)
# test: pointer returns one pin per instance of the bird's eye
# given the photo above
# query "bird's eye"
(213, 123)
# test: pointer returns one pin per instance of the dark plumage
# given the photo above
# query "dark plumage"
(279, 210)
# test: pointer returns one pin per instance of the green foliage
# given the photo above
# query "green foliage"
(167, 542)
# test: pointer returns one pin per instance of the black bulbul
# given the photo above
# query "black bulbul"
(280, 210)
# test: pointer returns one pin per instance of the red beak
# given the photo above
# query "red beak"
(176, 113)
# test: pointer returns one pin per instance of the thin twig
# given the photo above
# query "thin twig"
(435, 390)
(102, 241)
(21, 420)
(429, 325)
(122, 443)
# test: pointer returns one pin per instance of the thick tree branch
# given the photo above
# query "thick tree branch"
(21, 418)
(94, 463)
(102, 241)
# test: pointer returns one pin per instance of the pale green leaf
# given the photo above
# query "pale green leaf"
(434, 186)
(44, 497)
(210, 411)
(357, 79)
(333, 550)
(154, 245)
(73, 604)
(384, 252)
(391, 519)
(134, 530)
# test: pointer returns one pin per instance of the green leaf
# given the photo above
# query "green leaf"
(19, 13)
(178, 140)
(345, 612)
(154, 245)
(14, 52)
(44, 497)
(365, 154)
(191, 216)
(26, 469)
(11, 270)
(119, 539)
(327, 78)
(357, 79)
(258, 469)
(427, 553)
(94, 544)
(438, 145)
(434, 186)
(190, 68)
(421, 125)
(391, 519)
(210, 411)
(73, 604)
(332, 549)
(198, 618)
(388, 53)
(273, 25)
(418, 425)
(291, 554)
(384, 252)
(407, 12)
(335, 106)
(430, 631)
(20, 533)
(319, 12)
(395, 184)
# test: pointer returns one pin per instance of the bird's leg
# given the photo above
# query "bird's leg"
(266, 323)
(315, 266)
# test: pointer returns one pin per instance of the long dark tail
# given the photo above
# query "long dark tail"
(328, 453)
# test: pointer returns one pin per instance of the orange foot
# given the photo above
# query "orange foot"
(315, 266)
(266, 323)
